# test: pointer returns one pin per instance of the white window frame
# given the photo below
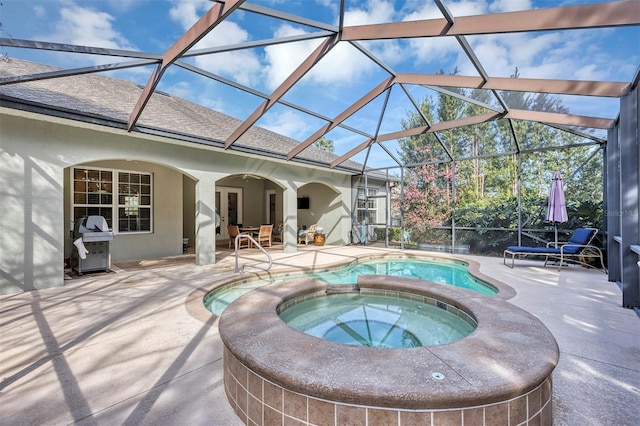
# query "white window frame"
(372, 205)
(115, 198)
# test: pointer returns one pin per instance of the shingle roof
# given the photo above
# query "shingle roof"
(91, 95)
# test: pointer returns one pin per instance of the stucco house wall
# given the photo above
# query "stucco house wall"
(36, 152)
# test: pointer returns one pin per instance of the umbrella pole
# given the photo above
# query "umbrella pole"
(555, 227)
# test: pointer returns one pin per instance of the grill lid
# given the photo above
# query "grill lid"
(93, 228)
(95, 224)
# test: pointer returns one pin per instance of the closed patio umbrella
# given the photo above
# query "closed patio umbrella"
(557, 209)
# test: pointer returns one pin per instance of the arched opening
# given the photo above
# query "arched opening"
(248, 200)
(149, 207)
(320, 204)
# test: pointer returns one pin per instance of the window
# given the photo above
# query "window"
(93, 195)
(364, 206)
(134, 202)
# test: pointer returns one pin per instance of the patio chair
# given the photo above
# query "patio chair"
(233, 231)
(263, 237)
(277, 233)
(306, 235)
(578, 249)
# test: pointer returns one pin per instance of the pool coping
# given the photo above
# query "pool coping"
(509, 354)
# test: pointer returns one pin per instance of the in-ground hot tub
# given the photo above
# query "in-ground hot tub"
(344, 314)
(498, 374)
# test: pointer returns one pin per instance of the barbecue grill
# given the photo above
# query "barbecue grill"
(91, 244)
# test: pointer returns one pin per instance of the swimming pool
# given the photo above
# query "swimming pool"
(443, 271)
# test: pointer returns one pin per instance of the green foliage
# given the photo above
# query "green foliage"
(394, 234)
(480, 187)
(324, 144)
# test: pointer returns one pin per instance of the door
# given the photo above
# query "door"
(229, 202)
(271, 207)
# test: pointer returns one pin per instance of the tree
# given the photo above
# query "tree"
(324, 144)
(426, 202)
(467, 162)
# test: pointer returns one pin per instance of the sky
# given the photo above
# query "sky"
(342, 77)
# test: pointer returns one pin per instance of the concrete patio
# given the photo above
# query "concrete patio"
(129, 347)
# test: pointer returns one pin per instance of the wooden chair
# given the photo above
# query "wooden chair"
(263, 237)
(234, 231)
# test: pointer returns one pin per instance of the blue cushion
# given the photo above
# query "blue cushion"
(572, 249)
(581, 236)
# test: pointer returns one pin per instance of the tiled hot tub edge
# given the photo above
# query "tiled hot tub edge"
(258, 401)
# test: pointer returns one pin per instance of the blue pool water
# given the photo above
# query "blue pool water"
(443, 272)
(376, 321)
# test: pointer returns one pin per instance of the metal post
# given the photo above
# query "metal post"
(519, 189)
(453, 206)
(365, 228)
(629, 197)
(387, 209)
(401, 207)
(612, 205)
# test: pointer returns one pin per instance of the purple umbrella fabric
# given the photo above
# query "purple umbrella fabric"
(557, 209)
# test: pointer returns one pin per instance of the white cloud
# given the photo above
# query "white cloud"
(500, 54)
(286, 123)
(569, 55)
(39, 11)
(433, 50)
(374, 12)
(181, 89)
(187, 12)
(467, 8)
(122, 5)
(390, 52)
(241, 65)
(429, 10)
(326, 3)
(437, 49)
(88, 26)
(340, 65)
(510, 5)
(282, 59)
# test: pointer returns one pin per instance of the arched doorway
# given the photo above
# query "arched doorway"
(247, 200)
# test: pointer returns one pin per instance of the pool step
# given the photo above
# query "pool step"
(342, 288)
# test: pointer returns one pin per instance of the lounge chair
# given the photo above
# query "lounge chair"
(578, 249)
(306, 235)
